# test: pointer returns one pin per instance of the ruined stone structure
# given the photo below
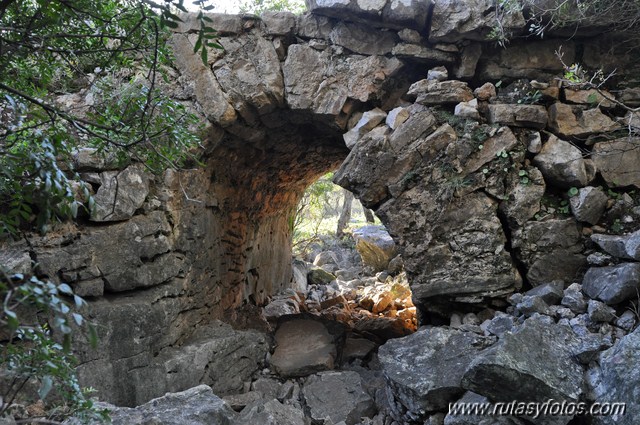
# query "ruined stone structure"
(347, 85)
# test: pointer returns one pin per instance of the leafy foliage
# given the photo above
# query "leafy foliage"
(112, 52)
(33, 312)
(259, 6)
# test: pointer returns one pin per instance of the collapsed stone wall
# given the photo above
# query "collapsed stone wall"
(162, 258)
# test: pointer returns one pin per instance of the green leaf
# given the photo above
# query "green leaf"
(592, 98)
(205, 56)
(65, 289)
(45, 387)
(573, 191)
(198, 44)
(78, 319)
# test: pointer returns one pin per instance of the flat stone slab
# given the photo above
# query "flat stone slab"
(303, 347)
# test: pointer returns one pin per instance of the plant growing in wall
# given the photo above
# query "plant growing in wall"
(36, 327)
(112, 52)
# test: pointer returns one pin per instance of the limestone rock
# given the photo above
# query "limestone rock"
(467, 110)
(590, 97)
(526, 60)
(278, 22)
(318, 276)
(533, 363)
(551, 293)
(397, 14)
(551, 250)
(121, 194)
(339, 396)
(531, 116)
(396, 117)
(304, 346)
(618, 380)
(600, 312)
(439, 73)
(626, 247)
(453, 21)
(575, 122)
(618, 160)
(422, 53)
(470, 56)
(441, 355)
(368, 122)
(485, 92)
(363, 39)
(563, 164)
(589, 204)
(523, 200)
(430, 92)
(197, 406)
(271, 412)
(574, 299)
(348, 76)
(612, 284)
(375, 246)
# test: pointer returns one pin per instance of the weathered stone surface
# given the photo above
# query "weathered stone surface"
(195, 406)
(618, 380)
(339, 396)
(453, 21)
(589, 204)
(430, 92)
(612, 284)
(562, 164)
(551, 250)
(600, 312)
(532, 116)
(618, 161)
(485, 92)
(467, 110)
(312, 85)
(447, 270)
(626, 246)
(396, 117)
(469, 61)
(600, 98)
(271, 412)
(422, 53)
(568, 121)
(304, 346)
(207, 90)
(363, 39)
(278, 22)
(551, 293)
(441, 355)
(368, 122)
(398, 14)
(319, 276)
(121, 194)
(533, 363)
(574, 300)
(375, 245)
(523, 200)
(526, 60)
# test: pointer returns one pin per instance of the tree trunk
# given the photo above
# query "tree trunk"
(345, 214)
(368, 214)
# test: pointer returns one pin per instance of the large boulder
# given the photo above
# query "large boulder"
(551, 250)
(195, 406)
(568, 121)
(375, 246)
(397, 14)
(616, 383)
(626, 246)
(424, 370)
(339, 396)
(453, 21)
(563, 165)
(271, 412)
(617, 161)
(613, 284)
(534, 363)
(304, 346)
(120, 194)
